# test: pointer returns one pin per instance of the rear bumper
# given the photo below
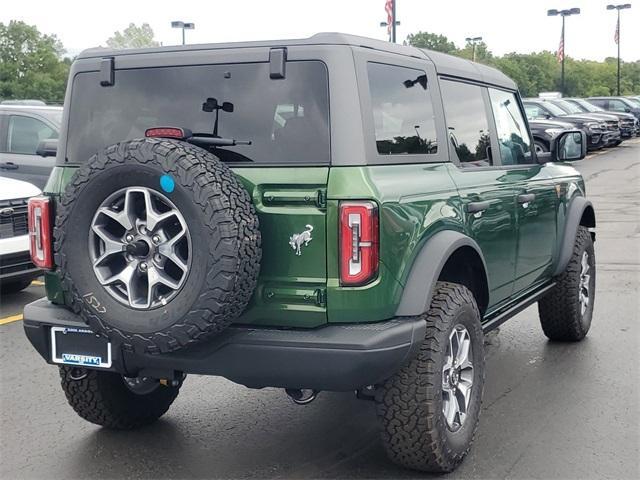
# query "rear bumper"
(334, 357)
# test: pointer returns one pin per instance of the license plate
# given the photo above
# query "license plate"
(79, 346)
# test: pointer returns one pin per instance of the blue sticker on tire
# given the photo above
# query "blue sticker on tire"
(167, 183)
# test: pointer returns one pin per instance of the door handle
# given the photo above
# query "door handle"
(476, 207)
(8, 166)
(526, 198)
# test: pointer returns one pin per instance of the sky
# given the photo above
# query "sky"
(506, 26)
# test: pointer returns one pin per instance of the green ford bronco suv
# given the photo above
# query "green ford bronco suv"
(335, 213)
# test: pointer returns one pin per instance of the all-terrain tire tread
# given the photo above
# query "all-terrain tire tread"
(559, 309)
(103, 399)
(406, 403)
(230, 212)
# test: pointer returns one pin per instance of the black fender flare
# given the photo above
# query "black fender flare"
(427, 267)
(575, 211)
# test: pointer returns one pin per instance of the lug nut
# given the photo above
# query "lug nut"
(156, 239)
(129, 238)
(143, 267)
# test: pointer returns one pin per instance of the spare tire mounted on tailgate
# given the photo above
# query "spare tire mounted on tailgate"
(158, 243)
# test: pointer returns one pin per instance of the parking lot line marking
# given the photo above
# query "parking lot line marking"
(37, 283)
(12, 318)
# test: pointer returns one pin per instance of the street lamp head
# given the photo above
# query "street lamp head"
(611, 7)
(177, 24)
(189, 25)
(626, 5)
(552, 12)
(574, 11)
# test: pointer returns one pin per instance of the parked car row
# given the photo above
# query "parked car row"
(607, 121)
(24, 126)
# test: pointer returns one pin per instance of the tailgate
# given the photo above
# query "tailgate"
(291, 287)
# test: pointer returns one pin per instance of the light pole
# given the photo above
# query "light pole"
(617, 35)
(184, 26)
(391, 23)
(473, 41)
(562, 13)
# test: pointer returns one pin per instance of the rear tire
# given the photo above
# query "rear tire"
(540, 147)
(564, 315)
(411, 405)
(105, 399)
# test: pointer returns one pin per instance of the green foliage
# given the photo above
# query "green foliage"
(133, 37)
(31, 64)
(540, 72)
(432, 41)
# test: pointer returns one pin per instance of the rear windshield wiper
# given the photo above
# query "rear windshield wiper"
(208, 140)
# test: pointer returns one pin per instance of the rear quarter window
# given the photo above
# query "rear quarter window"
(286, 120)
(402, 111)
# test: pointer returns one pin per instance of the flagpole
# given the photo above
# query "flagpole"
(393, 23)
(564, 49)
(618, 26)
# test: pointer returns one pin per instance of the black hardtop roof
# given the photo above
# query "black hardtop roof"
(445, 64)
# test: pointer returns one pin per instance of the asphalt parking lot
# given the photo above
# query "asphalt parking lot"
(550, 410)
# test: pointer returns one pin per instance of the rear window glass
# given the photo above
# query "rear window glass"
(286, 120)
(402, 110)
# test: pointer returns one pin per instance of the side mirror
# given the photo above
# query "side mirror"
(570, 146)
(627, 109)
(48, 147)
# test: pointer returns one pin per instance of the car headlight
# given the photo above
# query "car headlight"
(553, 132)
(592, 125)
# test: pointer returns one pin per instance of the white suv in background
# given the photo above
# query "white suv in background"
(16, 269)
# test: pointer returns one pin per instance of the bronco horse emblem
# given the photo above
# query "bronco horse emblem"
(298, 239)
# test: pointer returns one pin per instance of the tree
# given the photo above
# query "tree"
(31, 64)
(483, 54)
(431, 41)
(133, 37)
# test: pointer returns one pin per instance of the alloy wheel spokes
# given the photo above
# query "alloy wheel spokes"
(457, 378)
(584, 283)
(140, 247)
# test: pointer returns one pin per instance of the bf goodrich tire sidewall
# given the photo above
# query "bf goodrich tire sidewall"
(80, 268)
(459, 440)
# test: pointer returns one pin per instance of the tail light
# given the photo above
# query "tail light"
(358, 242)
(40, 232)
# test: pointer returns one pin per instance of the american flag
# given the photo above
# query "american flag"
(560, 52)
(616, 36)
(388, 7)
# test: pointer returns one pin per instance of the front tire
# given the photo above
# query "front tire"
(112, 401)
(566, 311)
(428, 423)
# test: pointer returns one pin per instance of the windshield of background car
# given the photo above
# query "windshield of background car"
(567, 106)
(554, 109)
(590, 107)
(286, 120)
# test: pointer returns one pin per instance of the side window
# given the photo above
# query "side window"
(617, 106)
(402, 110)
(512, 133)
(533, 111)
(25, 133)
(599, 103)
(467, 122)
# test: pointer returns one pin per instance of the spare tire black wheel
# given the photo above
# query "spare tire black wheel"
(158, 244)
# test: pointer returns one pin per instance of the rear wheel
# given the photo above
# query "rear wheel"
(540, 147)
(566, 311)
(113, 401)
(429, 409)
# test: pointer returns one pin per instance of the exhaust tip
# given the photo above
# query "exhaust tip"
(302, 396)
